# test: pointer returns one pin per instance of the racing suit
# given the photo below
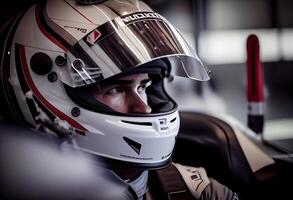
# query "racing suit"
(179, 182)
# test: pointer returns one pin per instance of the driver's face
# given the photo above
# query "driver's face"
(126, 94)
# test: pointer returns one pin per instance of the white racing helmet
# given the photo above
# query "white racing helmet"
(57, 50)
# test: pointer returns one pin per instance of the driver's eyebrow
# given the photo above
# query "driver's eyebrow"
(123, 82)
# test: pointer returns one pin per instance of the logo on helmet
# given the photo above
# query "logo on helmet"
(83, 30)
(133, 144)
(139, 16)
(93, 37)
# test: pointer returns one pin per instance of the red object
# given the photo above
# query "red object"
(254, 71)
(93, 37)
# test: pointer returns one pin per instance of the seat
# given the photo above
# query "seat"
(209, 142)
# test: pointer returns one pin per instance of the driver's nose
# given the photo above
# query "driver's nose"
(138, 104)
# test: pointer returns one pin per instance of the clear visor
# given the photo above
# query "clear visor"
(124, 43)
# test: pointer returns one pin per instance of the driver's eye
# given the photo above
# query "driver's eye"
(115, 91)
(143, 86)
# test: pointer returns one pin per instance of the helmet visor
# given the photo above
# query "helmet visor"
(127, 42)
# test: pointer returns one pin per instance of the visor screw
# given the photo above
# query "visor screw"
(78, 64)
(60, 61)
(41, 63)
(75, 112)
(52, 77)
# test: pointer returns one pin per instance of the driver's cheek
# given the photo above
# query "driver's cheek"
(118, 103)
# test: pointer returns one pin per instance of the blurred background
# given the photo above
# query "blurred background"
(217, 30)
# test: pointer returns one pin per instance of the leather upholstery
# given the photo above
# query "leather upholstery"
(209, 142)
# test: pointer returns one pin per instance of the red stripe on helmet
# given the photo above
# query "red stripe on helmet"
(44, 31)
(40, 97)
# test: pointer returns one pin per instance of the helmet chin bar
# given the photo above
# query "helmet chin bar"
(117, 156)
(69, 139)
(146, 146)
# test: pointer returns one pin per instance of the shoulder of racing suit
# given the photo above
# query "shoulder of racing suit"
(186, 182)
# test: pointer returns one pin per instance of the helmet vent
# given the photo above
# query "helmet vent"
(41, 63)
(138, 123)
(173, 120)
